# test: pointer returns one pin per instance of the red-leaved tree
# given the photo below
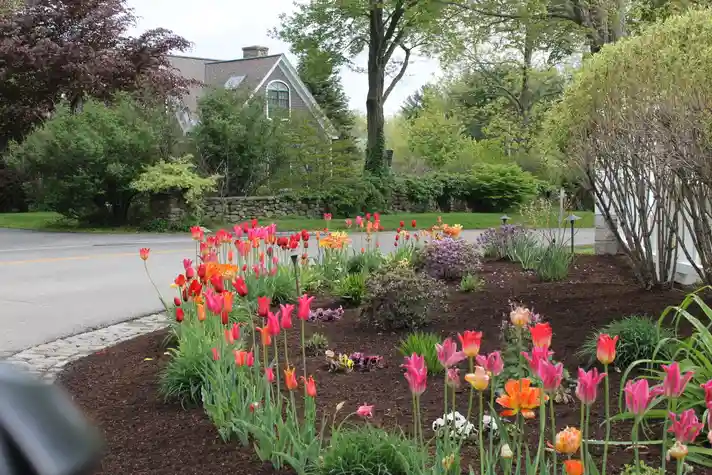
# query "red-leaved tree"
(72, 49)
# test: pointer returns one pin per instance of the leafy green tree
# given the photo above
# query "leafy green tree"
(319, 73)
(83, 164)
(237, 141)
(312, 161)
(346, 28)
(414, 103)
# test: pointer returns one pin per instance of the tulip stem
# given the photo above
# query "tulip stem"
(447, 426)
(472, 390)
(279, 385)
(553, 434)
(542, 427)
(665, 430)
(304, 356)
(583, 441)
(608, 419)
(490, 454)
(680, 465)
(636, 452)
(482, 441)
(286, 351)
(588, 422)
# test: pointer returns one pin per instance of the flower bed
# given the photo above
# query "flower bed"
(119, 387)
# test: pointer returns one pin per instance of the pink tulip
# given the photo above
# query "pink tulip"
(492, 362)
(551, 374)
(359, 221)
(708, 397)
(304, 308)
(638, 396)
(538, 353)
(286, 312)
(273, 323)
(269, 372)
(365, 410)
(453, 377)
(686, 428)
(448, 354)
(416, 373)
(187, 264)
(674, 383)
(215, 301)
(587, 387)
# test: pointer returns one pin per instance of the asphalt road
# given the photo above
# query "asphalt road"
(54, 285)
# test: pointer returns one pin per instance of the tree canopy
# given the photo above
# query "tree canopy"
(54, 50)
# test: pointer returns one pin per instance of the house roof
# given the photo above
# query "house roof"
(253, 70)
(252, 73)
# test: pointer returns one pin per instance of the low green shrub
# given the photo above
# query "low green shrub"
(183, 376)
(471, 283)
(367, 261)
(638, 338)
(370, 450)
(312, 279)
(316, 344)
(399, 298)
(554, 262)
(351, 288)
(423, 344)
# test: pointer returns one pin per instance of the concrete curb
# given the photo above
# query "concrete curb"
(48, 359)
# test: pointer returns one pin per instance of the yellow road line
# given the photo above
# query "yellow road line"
(89, 257)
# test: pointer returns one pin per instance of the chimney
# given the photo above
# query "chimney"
(254, 52)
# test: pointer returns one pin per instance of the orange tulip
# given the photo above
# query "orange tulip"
(568, 441)
(310, 385)
(573, 467)
(228, 298)
(520, 397)
(606, 348)
(290, 379)
(266, 336)
(201, 312)
(470, 342)
(144, 252)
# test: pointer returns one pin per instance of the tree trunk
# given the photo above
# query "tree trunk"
(376, 143)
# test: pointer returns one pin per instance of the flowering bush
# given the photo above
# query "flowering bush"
(449, 259)
(401, 299)
(497, 242)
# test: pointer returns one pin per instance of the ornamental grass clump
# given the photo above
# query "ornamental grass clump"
(449, 259)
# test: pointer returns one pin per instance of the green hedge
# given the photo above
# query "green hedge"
(488, 188)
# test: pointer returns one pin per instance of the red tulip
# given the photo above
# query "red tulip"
(229, 338)
(235, 331)
(273, 324)
(470, 342)
(310, 385)
(216, 354)
(202, 271)
(401, 224)
(224, 317)
(413, 223)
(606, 348)
(217, 283)
(184, 294)
(254, 223)
(269, 372)
(368, 216)
(176, 301)
(304, 309)
(195, 288)
(541, 335)
(180, 280)
(263, 304)
(197, 233)
(179, 314)
(240, 286)
(143, 253)
(189, 273)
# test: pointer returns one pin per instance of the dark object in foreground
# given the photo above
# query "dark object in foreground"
(41, 431)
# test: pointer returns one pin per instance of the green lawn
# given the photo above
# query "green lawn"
(48, 221)
(424, 220)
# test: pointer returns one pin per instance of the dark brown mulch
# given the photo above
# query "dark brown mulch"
(117, 388)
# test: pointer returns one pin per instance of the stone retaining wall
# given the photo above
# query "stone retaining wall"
(234, 209)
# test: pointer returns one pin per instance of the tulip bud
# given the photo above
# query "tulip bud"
(506, 452)
(176, 301)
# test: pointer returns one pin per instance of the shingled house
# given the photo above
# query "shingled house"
(271, 78)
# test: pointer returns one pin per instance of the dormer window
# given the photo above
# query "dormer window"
(278, 99)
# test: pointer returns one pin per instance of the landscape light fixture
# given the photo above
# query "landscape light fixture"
(572, 218)
(504, 219)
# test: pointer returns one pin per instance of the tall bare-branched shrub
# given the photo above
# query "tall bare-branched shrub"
(622, 124)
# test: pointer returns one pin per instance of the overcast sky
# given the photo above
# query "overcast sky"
(220, 28)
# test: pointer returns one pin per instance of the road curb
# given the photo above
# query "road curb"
(49, 359)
